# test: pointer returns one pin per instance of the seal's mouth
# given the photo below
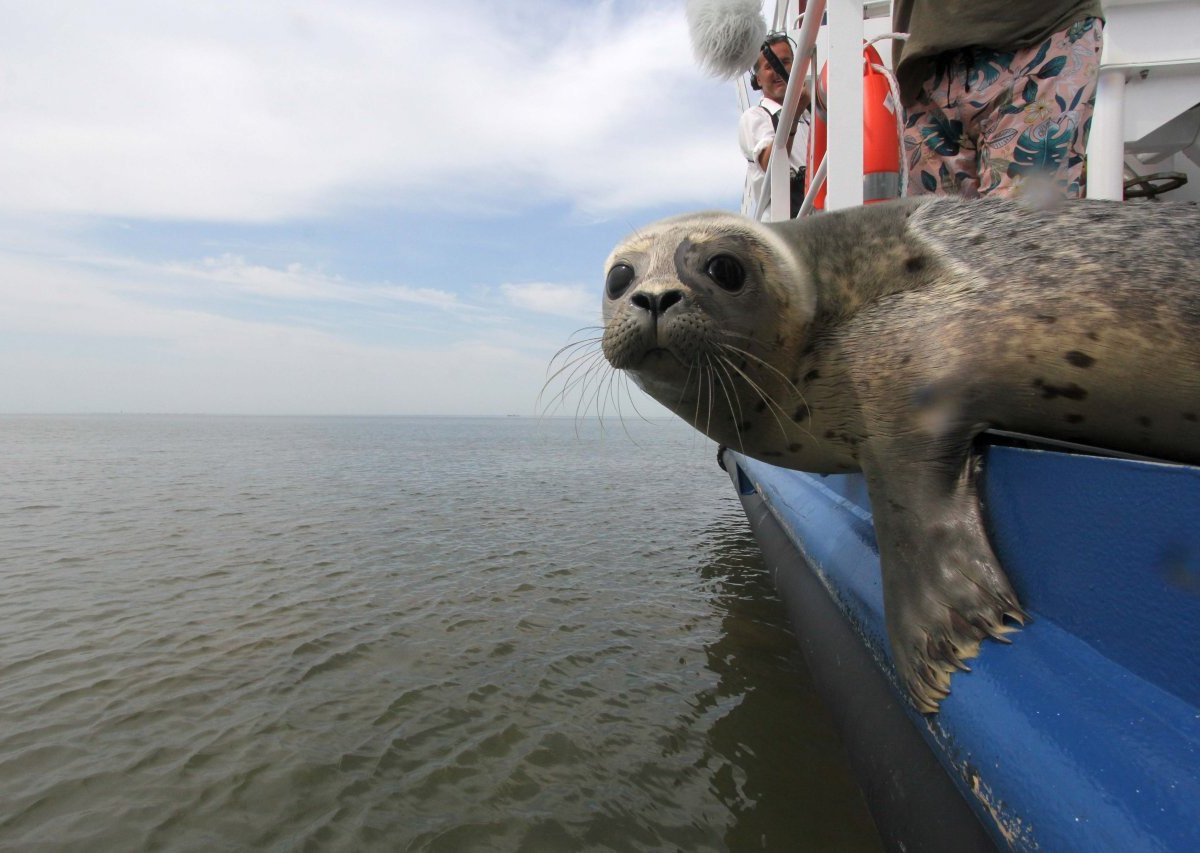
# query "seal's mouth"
(657, 356)
(660, 364)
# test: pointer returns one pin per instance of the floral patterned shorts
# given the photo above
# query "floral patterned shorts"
(990, 121)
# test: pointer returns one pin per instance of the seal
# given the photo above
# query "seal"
(886, 339)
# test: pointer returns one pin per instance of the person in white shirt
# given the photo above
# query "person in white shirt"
(756, 128)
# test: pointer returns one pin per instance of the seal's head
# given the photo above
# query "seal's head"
(700, 293)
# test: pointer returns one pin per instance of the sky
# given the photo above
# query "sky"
(317, 207)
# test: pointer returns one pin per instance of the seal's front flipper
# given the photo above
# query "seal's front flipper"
(943, 588)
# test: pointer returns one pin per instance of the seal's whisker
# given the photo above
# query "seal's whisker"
(612, 398)
(712, 396)
(596, 398)
(712, 393)
(727, 382)
(578, 371)
(569, 355)
(567, 362)
(772, 404)
(568, 358)
(582, 369)
(768, 398)
(746, 354)
(585, 333)
(573, 344)
(588, 384)
(766, 364)
(683, 389)
(695, 369)
(571, 351)
(581, 401)
(721, 362)
(601, 390)
(578, 375)
(736, 415)
(625, 383)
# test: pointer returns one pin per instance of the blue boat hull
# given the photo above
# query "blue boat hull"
(1084, 734)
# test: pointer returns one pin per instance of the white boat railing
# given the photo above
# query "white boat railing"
(1147, 95)
(776, 190)
(1147, 100)
(841, 23)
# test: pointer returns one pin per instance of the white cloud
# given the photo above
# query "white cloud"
(269, 110)
(107, 296)
(294, 282)
(562, 300)
(87, 339)
(279, 113)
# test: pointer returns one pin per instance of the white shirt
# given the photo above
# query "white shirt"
(756, 133)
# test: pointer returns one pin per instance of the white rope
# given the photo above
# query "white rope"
(900, 36)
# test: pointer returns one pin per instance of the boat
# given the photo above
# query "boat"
(1084, 733)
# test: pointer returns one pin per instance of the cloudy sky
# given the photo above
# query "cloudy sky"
(310, 207)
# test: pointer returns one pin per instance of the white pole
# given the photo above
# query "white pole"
(845, 104)
(1106, 144)
(781, 15)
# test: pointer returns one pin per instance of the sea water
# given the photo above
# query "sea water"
(396, 634)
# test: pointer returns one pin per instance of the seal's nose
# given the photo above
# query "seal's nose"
(656, 303)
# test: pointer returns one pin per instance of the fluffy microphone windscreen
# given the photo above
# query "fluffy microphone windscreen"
(726, 34)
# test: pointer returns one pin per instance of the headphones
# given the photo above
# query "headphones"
(772, 59)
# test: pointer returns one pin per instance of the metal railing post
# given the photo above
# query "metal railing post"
(845, 104)
(1106, 144)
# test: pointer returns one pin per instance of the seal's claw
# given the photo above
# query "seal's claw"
(1016, 614)
(959, 653)
(949, 654)
(929, 687)
(932, 682)
(937, 649)
(925, 706)
(938, 618)
(999, 631)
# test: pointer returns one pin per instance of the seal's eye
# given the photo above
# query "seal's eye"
(727, 272)
(619, 279)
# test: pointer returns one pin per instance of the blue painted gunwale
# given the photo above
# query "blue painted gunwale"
(1084, 733)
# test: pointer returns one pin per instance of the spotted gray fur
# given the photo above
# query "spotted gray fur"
(887, 338)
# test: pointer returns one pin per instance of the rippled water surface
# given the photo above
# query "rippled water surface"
(425, 634)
